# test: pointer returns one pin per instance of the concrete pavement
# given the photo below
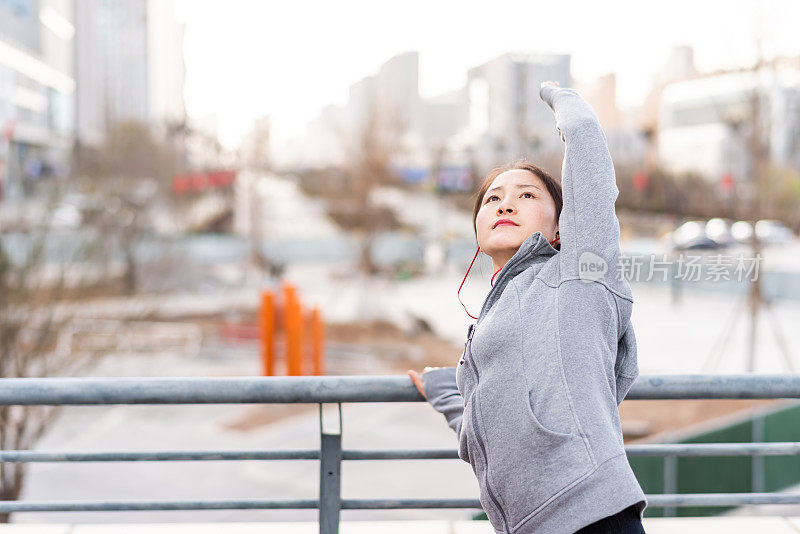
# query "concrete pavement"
(684, 525)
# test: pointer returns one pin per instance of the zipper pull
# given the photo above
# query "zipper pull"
(470, 332)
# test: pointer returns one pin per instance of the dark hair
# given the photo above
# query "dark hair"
(552, 185)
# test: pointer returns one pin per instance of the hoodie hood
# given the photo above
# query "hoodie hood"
(534, 250)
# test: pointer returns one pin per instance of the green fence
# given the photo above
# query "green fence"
(726, 474)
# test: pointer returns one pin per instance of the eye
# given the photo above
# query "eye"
(490, 198)
(528, 193)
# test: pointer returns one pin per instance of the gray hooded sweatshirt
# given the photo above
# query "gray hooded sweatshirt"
(534, 398)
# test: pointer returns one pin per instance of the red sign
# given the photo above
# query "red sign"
(202, 181)
(640, 181)
(8, 131)
(726, 182)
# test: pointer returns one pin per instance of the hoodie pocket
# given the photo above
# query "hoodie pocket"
(532, 399)
(549, 403)
(530, 465)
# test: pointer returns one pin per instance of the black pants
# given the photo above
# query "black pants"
(625, 522)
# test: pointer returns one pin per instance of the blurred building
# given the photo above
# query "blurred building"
(678, 67)
(705, 123)
(496, 118)
(203, 148)
(37, 92)
(507, 119)
(397, 102)
(444, 116)
(626, 141)
(129, 66)
(601, 94)
(444, 127)
(383, 115)
(680, 64)
(255, 148)
(384, 119)
(359, 111)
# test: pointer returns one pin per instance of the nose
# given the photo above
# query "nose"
(505, 207)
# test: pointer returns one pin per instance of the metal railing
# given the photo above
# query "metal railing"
(359, 389)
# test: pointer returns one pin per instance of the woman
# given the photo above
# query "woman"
(534, 398)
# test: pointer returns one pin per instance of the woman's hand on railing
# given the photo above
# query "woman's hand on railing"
(417, 379)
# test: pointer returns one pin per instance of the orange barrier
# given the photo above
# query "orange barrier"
(293, 331)
(303, 335)
(318, 334)
(266, 323)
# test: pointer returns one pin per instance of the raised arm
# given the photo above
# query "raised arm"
(588, 224)
(442, 393)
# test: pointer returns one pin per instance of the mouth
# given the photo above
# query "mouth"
(504, 222)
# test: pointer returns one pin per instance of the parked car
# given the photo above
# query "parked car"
(719, 230)
(769, 232)
(773, 232)
(719, 233)
(692, 235)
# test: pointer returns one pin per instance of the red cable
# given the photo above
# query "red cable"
(458, 293)
(462, 284)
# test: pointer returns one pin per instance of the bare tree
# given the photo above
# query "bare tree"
(37, 281)
(45, 273)
(369, 168)
(130, 171)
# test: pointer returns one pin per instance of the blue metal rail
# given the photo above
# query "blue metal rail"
(340, 389)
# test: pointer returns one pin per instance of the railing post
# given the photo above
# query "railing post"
(330, 464)
(757, 461)
(670, 481)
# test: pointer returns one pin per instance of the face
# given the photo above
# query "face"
(520, 197)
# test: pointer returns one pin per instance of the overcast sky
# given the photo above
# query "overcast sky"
(288, 59)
